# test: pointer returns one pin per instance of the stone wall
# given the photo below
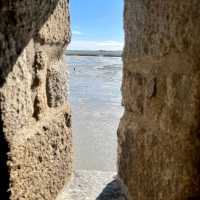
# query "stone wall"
(159, 140)
(35, 138)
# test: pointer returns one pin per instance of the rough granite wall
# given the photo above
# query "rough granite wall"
(159, 133)
(35, 137)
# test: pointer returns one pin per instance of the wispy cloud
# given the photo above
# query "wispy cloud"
(75, 32)
(96, 45)
(110, 43)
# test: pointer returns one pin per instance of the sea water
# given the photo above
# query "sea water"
(95, 98)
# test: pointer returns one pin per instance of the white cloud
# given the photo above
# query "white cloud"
(96, 45)
(110, 43)
(76, 32)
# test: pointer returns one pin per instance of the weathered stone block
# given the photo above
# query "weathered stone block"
(35, 137)
(159, 133)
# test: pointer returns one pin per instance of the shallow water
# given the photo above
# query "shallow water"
(95, 97)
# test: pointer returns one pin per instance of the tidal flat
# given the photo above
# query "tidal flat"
(95, 98)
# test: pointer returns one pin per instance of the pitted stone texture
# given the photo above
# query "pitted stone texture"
(56, 86)
(40, 153)
(53, 32)
(156, 29)
(36, 149)
(16, 97)
(158, 136)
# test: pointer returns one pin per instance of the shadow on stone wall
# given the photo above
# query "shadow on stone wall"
(4, 173)
(20, 22)
(112, 191)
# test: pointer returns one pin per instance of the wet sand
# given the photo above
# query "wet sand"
(95, 97)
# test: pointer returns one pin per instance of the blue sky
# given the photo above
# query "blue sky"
(96, 24)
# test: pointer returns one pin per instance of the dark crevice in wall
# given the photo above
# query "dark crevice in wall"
(2, 79)
(35, 84)
(36, 108)
(35, 81)
(4, 169)
(68, 118)
(48, 91)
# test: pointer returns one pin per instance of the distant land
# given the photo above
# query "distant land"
(94, 53)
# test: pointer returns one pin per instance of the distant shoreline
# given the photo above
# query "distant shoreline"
(94, 53)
